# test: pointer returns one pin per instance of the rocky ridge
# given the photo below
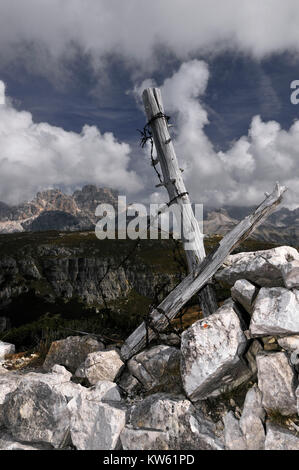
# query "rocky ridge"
(54, 210)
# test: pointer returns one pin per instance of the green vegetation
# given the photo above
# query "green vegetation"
(38, 316)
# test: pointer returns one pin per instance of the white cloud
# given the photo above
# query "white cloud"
(36, 156)
(39, 33)
(249, 168)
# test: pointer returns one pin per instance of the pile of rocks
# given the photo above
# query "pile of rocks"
(175, 395)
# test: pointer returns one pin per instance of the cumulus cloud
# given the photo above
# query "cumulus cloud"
(40, 33)
(38, 156)
(252, 164)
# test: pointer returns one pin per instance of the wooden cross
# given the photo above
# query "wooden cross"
(201, 268)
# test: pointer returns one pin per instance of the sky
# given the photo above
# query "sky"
(72, 73)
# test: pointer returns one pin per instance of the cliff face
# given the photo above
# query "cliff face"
(59, 267)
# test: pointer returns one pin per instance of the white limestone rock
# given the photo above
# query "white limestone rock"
(276, 312)
(289, 343)
(157, 369)
(180, 425)
(6, 348)
(212, 353)
(278, 438)
(71, 352)
(101, 365)
(277, 382)
(264, 268)
(36, 410)
(95, 424)
(244, 292)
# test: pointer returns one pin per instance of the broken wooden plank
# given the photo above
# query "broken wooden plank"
(173, 182)
(167, 310)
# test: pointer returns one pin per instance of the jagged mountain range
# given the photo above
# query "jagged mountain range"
(54, 210)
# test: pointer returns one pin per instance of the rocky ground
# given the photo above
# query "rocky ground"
(229, 382)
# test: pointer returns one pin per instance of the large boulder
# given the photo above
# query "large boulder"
(212, 353)
(277, 382)
(244, 293)
(157, 369)
(105, 365)
(175, 421)
(264, 268)
(5, 349)
(36, 411)
(71, 352)
(276, 312)
(279, 438)
(97, 418)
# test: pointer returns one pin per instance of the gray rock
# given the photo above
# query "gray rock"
(144, 439)
(252, 419)
(278, 438)
(277, 381)
(211, 353)
(233, 437)
(171, 339)
(290, 343)
(182, 427)
(264, 268)
(36, 411)
(276, 312)
(95, 425)
(129, 384)
(244, 292)
(71, 352)
(247, 433)
(8, 383)
(157, 369)
(6, 348)
(103, 391)
(7, 442)
(290, 273)
(105, 365)
(297, 396)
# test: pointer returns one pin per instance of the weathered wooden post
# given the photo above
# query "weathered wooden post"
(179, 296)
(173, 182)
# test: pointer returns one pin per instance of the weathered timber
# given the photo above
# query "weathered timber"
(179, 296)
(173, 182)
